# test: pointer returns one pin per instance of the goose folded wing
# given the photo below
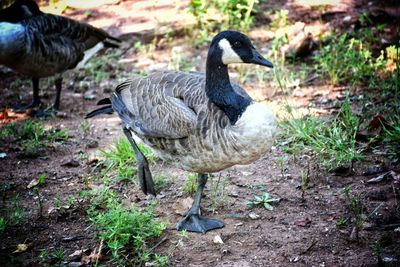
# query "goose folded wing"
(148, 111)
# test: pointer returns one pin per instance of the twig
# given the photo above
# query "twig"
(159, 243)
(314, 242)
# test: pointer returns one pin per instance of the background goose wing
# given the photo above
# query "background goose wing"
(82, 33)
(159, 105)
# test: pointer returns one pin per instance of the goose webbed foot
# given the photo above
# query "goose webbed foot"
(44, 113)
(23, 108)
(145, 177)
(193, 222)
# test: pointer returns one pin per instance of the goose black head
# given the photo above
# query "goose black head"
(235, 47)
(20, 10)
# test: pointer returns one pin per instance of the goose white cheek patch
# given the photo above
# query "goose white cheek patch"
(228, 54)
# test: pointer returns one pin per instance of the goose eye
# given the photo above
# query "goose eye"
(237, 44)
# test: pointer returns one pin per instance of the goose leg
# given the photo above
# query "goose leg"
(193, 222)
(145, 178)
(35, 100)
(56, 105)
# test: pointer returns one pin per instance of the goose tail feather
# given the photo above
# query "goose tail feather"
(107, 109)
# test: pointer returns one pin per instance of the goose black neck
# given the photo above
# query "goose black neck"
(219, 89)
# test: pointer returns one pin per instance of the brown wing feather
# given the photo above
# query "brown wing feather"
(165, 104)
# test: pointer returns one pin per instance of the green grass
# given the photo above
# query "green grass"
(3, 224)
(333, 141)
(217, 15)
(190, 184)
(127, 231)
(33, 137)
(121, 157)
(347, 60)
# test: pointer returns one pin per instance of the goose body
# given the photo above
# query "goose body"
(201, 122)
(42, 45)
(172, 113)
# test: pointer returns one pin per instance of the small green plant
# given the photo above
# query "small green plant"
(264, 201)
(347, 60)
(128, 233)
(216, 15)
(190, 184)
(3, 225)
(17, 214)
(58, 255)
(122, 158)
(377, 249)
(180, 61)
(304, 183)
(43, 256)
(218, 196)
(280, 19)
(36, 190)
(281, 161)
(341, 222)
(32, 136)
(182, 236)
(356, 207)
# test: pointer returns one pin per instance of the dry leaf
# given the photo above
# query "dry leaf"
(182, 205)
(23, 247)
(33, 183)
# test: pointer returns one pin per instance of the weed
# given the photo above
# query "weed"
(347, 60)
(264, 201)
(36, 190)
(218, 196)
(280, 19)
(334, 141)
(304, 183)
(377, 249)
(3, 225)
(190, 184)
(355, 205)
(216, 15)
(281, 161)
(58, 255)
(43, 256)
(180, 61)
(32, 136)
(341, 222)
(17, 214)
(122, 158)
(182, 236)
(128, 232)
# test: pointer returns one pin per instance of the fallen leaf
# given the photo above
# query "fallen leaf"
(378, 179)
(303, 223)
(23, 247)
(182, 205)
(33, 183)
(373, 129)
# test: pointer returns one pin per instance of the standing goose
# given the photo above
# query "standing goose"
(41, 45)
(203, 123)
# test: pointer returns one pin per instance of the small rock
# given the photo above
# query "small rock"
(91, 143)
(90, 95)
(76, 255)
(3, 155)
(218, 240)
(347, 19)
(254, 216)
(71, 163)
(75, 264)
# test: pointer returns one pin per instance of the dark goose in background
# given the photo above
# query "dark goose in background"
(42, 45)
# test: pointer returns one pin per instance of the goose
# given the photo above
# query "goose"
(202, 123)
(42, 45)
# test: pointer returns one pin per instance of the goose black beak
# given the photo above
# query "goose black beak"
(260, 60)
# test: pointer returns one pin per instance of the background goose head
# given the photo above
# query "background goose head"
(20, 10)
(234, 47)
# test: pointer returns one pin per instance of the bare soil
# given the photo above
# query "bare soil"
(298, 232)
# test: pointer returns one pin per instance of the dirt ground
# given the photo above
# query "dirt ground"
(298, 232)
